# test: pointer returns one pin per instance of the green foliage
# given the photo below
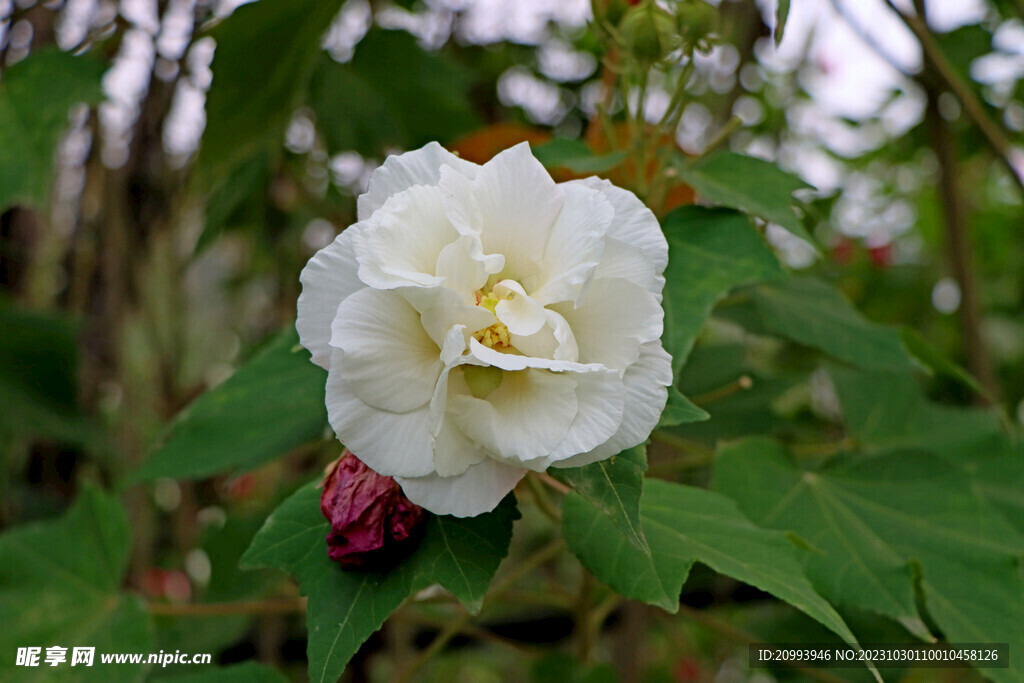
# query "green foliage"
(613, 486)
(272, 43)
(711, 251)
(815, 314)
(35, 99)
(62, 580)
(38, 384)
(749, 184)
(392, 94)
(884, 524)
(684, 525)
(345, 607)
(576, 156)
(247, 672)
(271, 405)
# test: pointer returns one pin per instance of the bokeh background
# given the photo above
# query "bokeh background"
(162, 248)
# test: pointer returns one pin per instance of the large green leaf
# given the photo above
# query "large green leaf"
(877, 522)
(60, 585)
(711, 251)
(683, 525)
(614, 487)
(35, 98)
(814, 313)
(884, 410)
(346, 607)
(392, 94)
(265, 54)
(749, 184)
(271, 405)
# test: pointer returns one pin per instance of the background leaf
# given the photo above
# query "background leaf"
(271, 405)
(576, 156)
(62, 579)
(749, 184)
(35, 98)
(711, 251)
(877, 521)
(684, 525)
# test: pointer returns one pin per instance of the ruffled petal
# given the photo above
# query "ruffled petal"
(400, 172)
(513, 362)
(616, 317)
(555, 340)
(390, 362)
(328, 279)
(399, 245)
(479, 489)
(514, 204)
(634, 223)
(575, 244)
(440, 308)
(461, 266)
(392, 444)
(646, 394)
(601, 408)
(629, 263)
(521, 314)
(524, 418)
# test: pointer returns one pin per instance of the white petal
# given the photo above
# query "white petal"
(616, 317)
(400, 244)
(389, 443)
(398, 173)
(524, 418)
(521, 314)
(517, 203)
(461, 264)
(512, 362)
(645, 398)
(629, 263)
(555, 340)
(327, 280)
(602, 404)
(575, 244)
(634, 223)
(479, 489)
(454, 453)
(389, 360)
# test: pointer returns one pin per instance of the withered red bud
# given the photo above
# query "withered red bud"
(373, 524)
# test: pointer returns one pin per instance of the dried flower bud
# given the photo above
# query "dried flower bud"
(373, 524)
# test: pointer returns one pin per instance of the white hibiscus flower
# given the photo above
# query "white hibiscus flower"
(482, 321)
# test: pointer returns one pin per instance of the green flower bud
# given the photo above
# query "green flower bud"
(649, 33)
(695, 22)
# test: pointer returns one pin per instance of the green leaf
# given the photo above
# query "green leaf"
(877, 521)
(247, 672)
(781, 16)
(265, 54)
(613, 486)
(240, 199)
(35, 98)
(576, 156)
(346, 607)
(392, 94)
(683, 525)
(884, 410)
(814, 313)
(38, 386)
(749, 184)
(271, 405)
(711, 251)
(62, 579)
(680, 410)
(938, 363)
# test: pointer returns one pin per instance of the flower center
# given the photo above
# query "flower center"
(496, 336)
